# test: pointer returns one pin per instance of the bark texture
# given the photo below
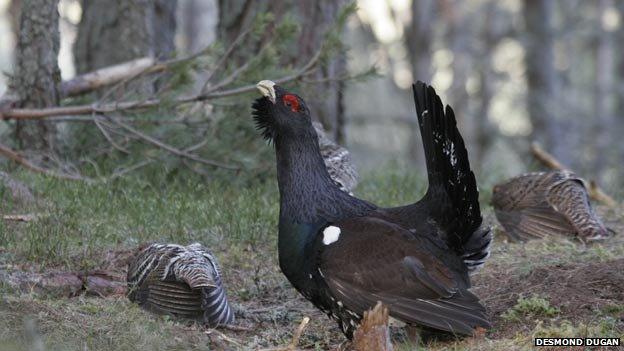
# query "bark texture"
(603, 91)
(197, 23)
(37, 74)
(164, 27)
(115, 31)
(419, 36)
(541, 76)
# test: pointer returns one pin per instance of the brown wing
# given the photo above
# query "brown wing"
(420, 281)
(522, 207)
(571, 200)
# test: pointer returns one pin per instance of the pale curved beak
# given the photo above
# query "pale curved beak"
(267, 89)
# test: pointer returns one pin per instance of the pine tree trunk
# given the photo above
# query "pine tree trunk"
(458, 39)
(114, 31)
(483, 128)
(619, 113)
(316, 17)
(164, 28)
(198, 24)
(603, 92)
(542, 86)
(37, 74)
(419, 39)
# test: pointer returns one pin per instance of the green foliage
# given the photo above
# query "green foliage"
(237, 218)
(83, 219)
(80, 220)
(222, 129)
(614, 310)
(532, 307)
(392, 185)
(333, 42)
(93, 324)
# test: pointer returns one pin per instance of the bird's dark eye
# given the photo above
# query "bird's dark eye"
(292, 102)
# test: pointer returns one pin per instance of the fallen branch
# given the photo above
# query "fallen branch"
(109, 75)
(594, 191)
(33, 113)
(121, 72)
(545, 158)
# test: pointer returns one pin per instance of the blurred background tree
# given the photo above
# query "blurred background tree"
(515, 71)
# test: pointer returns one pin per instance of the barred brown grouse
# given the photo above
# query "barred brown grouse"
(536, 205)
(183, 281)
(337, 160)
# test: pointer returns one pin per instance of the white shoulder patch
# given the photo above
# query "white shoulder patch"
(331, 234)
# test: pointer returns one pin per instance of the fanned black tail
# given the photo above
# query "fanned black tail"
(453, 196)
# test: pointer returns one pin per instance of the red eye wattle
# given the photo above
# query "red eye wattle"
(292, 102)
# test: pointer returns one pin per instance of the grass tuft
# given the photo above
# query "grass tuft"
(532, 307)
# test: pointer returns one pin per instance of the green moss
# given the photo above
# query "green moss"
(532, 307)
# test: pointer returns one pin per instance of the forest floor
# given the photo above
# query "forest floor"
(62, 271)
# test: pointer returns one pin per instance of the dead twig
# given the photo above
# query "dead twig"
(295, 340)
(298, 332)
(14, 156)
(223, 336)
(107, 136)
(225, 56)
(545, 158)
(121, 172)
(595, 192)
(171, 149)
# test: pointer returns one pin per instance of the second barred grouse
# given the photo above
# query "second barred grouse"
(337, 160)
(539, 204)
